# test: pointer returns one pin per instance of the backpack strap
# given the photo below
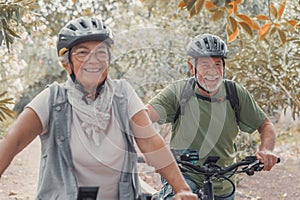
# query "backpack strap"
(187, 93)
(233, 98)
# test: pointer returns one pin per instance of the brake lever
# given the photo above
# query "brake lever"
(256, 166)
(252, 167)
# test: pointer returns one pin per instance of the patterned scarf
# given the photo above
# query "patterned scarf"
(91, 115)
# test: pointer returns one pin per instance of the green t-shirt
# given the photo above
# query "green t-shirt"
(207, 126)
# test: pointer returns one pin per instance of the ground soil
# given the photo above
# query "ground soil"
(19, 182)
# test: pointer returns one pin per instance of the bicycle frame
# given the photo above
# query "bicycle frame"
(208, 190)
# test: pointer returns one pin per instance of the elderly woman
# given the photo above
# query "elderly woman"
(89, 124)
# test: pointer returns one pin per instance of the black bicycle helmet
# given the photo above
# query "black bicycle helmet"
(82, 29)
(207, 45)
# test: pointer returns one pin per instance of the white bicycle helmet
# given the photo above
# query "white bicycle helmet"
(207, 45)
(81, 30)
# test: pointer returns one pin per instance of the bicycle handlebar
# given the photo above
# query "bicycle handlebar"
(251, 164)
(187, 160)
(210, 169)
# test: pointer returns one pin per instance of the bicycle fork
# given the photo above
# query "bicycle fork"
(207, 192)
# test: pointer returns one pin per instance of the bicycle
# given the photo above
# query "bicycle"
(186, 161)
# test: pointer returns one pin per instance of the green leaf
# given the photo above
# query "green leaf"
(272, 31)
(282, 36)
(4, 110)
(2, 116)
(13, 33)
(273, 10)
(29, 2)
(247, 28)
(232, 24)
(3, 93)
(1, 37)
(17, 11)
(190, 4)
(4, 23)
(199, 5)
(7, 101)
(218, 14)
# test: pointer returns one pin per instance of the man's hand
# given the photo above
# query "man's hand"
(185, 195)
(267, 158)
(267, 138)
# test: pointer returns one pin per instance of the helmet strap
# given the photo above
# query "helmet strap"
(197, 82)
(73, 77)
(224, 75)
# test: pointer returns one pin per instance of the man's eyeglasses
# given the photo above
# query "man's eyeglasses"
(100, 53)
(206, 67)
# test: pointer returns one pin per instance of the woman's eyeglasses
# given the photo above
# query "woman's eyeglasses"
(83, 54)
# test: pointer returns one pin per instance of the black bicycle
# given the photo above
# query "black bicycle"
(186, 161)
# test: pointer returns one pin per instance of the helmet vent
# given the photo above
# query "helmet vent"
(215, 43)
(94, 23)
(199, 45)
(205, 40)
(72, 27)
(83, 24)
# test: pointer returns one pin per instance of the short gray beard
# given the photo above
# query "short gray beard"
(211, 89)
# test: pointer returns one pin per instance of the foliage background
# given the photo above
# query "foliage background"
(150, 41)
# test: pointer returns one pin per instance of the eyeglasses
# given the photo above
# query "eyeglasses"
(206, 67)
(83, 54)
(207, 63)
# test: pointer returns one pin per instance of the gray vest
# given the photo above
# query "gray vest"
(56, 178)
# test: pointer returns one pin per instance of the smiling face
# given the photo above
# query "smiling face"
(89, 63)
(210, 73)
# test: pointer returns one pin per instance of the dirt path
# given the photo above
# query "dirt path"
(281, 183)
(19, 182)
